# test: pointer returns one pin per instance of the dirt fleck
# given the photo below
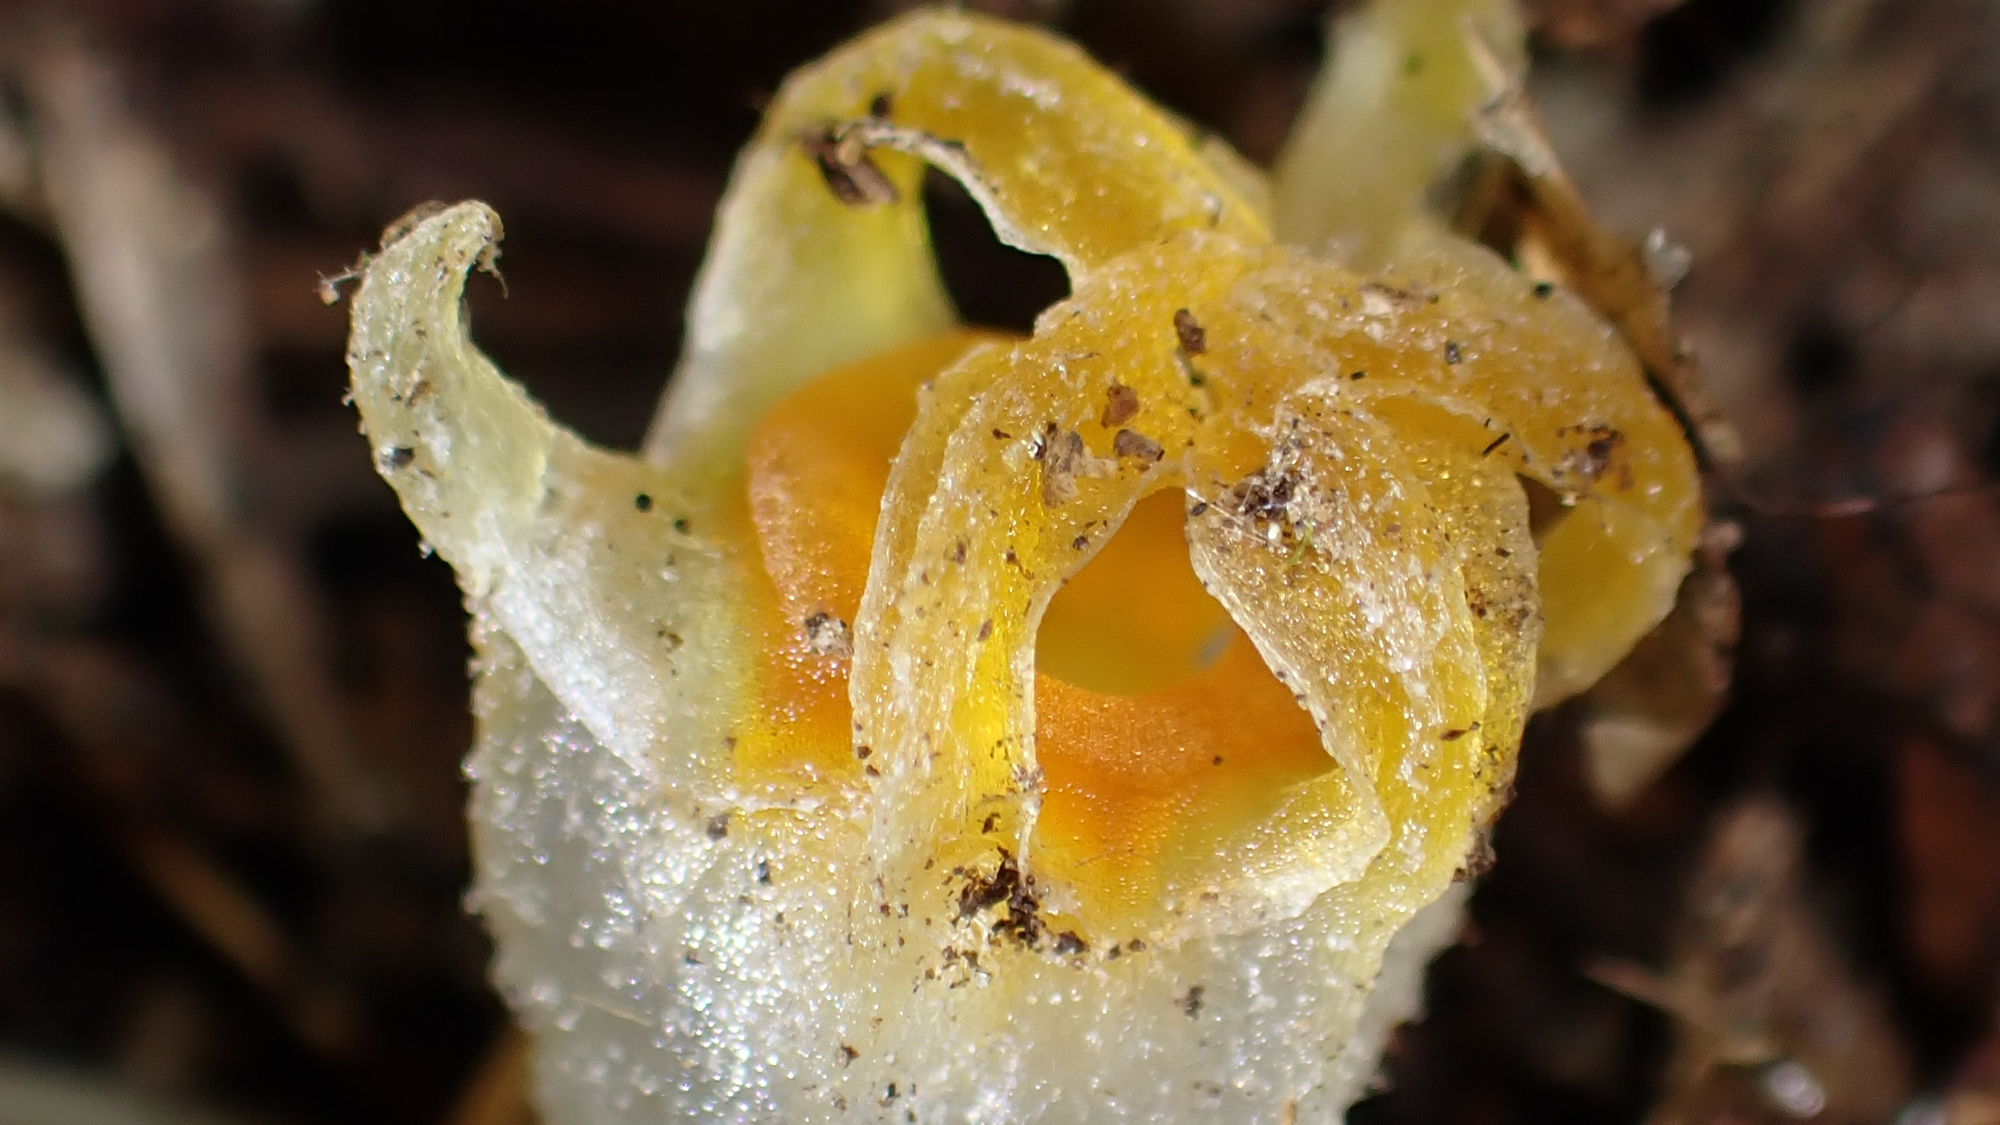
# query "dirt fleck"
(827, 635)
(1020, 919)
(1128, 443)
(1192, 1001)
(1263, 495)
(718, 826)
(1599, 455)
(1193, 339)
(850, 173)
(1064, 458)
(1120, 404)
(981, 891)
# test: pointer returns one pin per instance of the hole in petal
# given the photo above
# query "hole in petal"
(1545, 508)
(1135, 618)
(990, 282)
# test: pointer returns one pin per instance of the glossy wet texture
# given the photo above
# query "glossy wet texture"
(807, 787)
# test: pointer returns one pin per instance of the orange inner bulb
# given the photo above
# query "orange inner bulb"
(1158, 725)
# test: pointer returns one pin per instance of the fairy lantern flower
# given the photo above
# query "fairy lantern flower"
(934, 724)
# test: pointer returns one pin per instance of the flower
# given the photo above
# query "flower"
(804, 785)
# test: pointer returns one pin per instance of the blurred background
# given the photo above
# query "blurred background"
(232, 687)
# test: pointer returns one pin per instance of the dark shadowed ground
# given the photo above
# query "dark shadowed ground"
(232, 692)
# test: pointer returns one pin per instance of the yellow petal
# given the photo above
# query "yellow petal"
(808, 786)
(1063, 156)
(624, 614)
(1388, 118)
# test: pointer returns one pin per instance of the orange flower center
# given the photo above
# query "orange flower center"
(1158, 726)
